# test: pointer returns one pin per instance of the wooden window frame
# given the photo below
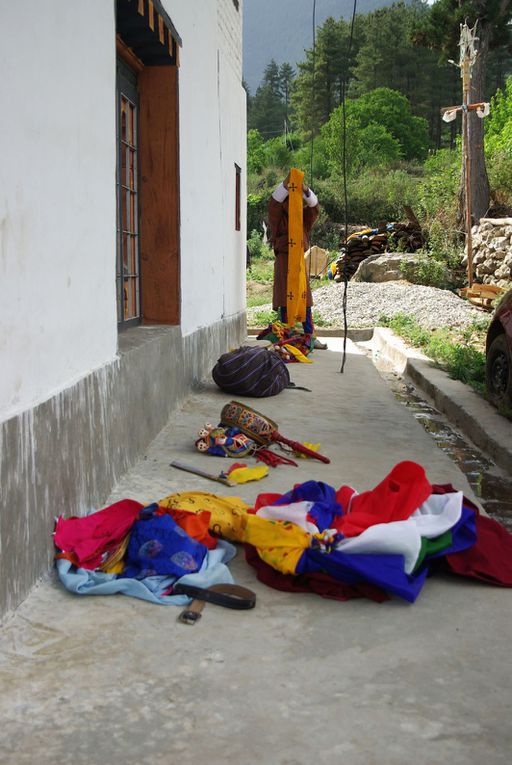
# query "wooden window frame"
(159, 189)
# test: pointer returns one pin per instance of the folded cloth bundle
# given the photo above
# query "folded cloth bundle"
(397, 532)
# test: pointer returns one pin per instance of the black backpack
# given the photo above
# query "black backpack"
(251, 371)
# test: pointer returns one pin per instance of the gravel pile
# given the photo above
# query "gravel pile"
(367, 302)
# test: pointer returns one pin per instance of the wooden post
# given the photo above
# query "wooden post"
(466, 79)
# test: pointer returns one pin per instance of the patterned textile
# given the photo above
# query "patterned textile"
(158, 546)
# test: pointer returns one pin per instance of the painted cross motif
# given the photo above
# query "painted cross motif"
(290, 295)
(292, 187)
(291, 243)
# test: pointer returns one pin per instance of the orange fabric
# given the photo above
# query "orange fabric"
(296, 283)
(195, 524)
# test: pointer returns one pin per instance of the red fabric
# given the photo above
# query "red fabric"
(490, 558)
(319, 583)
(403, 490)
(195, 524)
(84, 541)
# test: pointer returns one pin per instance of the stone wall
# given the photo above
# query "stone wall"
(492, 251)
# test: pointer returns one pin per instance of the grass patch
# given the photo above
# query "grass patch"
(459, 353)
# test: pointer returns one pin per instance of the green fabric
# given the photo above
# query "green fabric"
(431, 546)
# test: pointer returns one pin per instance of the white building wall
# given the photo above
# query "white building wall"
(212, 140)
(57, 196)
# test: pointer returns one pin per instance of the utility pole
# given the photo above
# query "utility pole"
(468, 54)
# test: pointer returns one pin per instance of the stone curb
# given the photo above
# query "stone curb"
(475, 417)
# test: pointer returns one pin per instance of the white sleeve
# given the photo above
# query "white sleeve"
(280, 193)
(312, 200)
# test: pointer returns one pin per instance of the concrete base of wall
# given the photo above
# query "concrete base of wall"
(65, 455)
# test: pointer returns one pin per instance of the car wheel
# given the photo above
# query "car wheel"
(498, 372)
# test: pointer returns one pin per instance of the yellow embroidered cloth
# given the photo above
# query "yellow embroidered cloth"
(228, 514)
(296, 284)
(278, 543)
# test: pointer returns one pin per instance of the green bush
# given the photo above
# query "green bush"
(374, 196)
(459, 358)
(257, 248)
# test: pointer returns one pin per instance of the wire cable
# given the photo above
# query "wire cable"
(345, 192)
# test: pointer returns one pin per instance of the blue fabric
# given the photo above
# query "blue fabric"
(307, 325)
(385, 571)
(325, 507)
(214, 570)
(158, 546)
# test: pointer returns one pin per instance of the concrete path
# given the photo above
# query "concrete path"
(299, 679)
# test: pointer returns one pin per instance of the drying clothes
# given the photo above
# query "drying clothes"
(317, 582)
(403, 490)
(243, 474)
(88, 542)
(279, 543)
(325, 508)
(433, 518)
(158, 546)
(195, 524)
(296, 512)
(214, 570)
(389, 556)
(489, 559)
(227, 513)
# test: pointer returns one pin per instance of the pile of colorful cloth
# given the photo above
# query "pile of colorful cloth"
(288, 342)
(380, 543)
(338, 543)
(144, 551)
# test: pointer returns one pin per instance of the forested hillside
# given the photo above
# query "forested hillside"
(282, 30)
(396, 76)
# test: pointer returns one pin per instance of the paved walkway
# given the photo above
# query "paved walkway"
(297, 680)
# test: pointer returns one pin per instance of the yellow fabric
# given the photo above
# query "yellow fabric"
(278, 543)
(296, 284)
(228, 514)
(115, 562)
(298, 355)
(245, 474)
(312, 447)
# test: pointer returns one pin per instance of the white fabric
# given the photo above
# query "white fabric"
(280, 193)
(395, 538)
(295, 512)
(439, 513)
(312, 200)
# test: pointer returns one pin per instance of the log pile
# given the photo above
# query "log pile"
(387, 237)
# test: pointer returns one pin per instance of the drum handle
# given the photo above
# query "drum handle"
(298, 447)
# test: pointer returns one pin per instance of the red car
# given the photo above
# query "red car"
(498, 366)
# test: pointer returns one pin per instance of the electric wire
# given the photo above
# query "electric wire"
(345, 191)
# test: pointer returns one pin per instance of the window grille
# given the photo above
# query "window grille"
(128, 262)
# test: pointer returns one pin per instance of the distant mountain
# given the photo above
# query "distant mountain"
(283, 30)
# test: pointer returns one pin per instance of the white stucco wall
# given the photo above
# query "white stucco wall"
(212, 140)
(57, 196)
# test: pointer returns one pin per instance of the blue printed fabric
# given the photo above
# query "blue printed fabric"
(214, 570)
(325, 506)
(158, 546)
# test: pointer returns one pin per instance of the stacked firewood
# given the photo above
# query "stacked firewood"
(387, 237)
